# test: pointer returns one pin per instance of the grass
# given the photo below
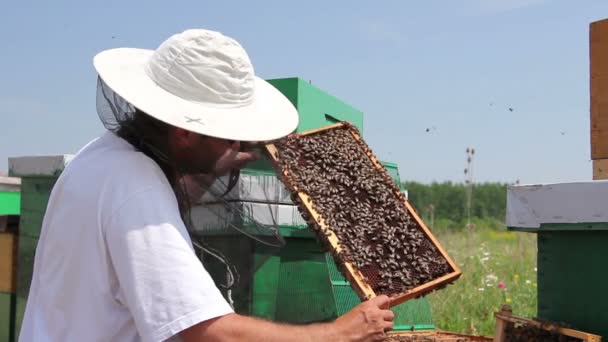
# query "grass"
(489, 258)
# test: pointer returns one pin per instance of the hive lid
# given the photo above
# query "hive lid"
(564, 206)
(50, 166)
(10, 184)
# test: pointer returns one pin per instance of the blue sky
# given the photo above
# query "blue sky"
(452, 67)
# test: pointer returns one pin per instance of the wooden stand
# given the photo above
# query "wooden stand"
(357, 280)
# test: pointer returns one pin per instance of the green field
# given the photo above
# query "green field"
(487, 257)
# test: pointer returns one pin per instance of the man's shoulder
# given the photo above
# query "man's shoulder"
(111, 161)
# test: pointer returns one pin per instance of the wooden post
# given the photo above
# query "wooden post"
(598, 56)
(500, 332)
(600, 169)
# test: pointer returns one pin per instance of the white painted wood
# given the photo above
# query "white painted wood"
(218, 217)
(10, 184)
(529, 206)
(38, 165)
(250, 188)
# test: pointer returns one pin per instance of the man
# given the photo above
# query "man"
(115, 261)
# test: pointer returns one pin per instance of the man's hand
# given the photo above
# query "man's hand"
(367, 321)
(234, 158)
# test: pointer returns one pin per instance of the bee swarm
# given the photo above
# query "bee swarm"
(363, 207)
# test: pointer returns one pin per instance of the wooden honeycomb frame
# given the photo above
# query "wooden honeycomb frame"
(356, 279)
(441, 336)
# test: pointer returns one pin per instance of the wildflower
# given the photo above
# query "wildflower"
(534, 284)
(491, 277)
(528, 281)
(501, 285)
(484, 259)
(481, 289)
(508, 300)
(486, 253)
(516, 276)
(535, 269)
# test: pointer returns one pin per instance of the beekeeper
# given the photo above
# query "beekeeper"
(115, 261)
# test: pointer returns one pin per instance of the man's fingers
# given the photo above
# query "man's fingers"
(388, 315)
(386, 325)
(245, 157)
(382, 301)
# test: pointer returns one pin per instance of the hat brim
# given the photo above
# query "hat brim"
(269, 116)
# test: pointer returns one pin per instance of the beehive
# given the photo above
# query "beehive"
(510, 328)
(571, 222)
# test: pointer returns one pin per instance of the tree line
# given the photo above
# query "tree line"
(448, 201)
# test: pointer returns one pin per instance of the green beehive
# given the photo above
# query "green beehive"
(571, 221)
(38, 176)
(316, 107)
(10, 197)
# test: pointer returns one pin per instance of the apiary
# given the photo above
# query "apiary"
(346, 195)
(298, 284)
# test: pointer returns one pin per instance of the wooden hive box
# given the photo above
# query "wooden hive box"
(364, 280)
(506, 322)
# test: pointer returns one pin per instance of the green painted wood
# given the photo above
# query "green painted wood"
(10, 203)
(572, 279)
(289, 88)
(5, 315)
(415, 313)
(316, 107)
(25, 266)
(35, 193)
(393, 171)
(33, 199)
(548, 227)
(574, 226)
(265, 286)
(304, 293)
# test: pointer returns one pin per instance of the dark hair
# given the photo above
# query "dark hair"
(151, 137)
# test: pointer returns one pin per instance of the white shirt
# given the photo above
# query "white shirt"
(114, 261)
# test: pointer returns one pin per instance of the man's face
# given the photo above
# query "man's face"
(196, 154)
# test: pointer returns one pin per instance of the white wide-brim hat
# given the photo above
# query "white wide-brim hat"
(201, 81)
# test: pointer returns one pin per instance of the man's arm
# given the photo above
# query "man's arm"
(234, 327)
(366, 322)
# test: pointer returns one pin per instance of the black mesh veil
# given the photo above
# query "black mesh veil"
(231, 219)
